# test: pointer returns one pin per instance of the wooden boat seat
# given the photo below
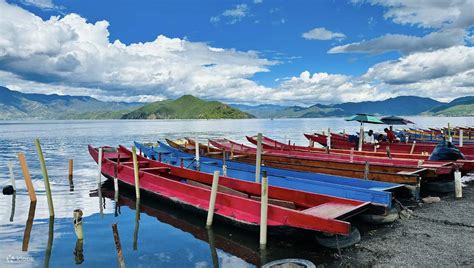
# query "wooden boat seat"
(239, 156)
(329, 210)
(277, 202)
(159, 169)
(214, 153)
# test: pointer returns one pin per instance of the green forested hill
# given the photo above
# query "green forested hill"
(186, 107)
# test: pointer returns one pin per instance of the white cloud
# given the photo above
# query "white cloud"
(43, 4)
(257, 1)
(233, 15)
(424, 66)
(405, 43)
(428, 13)
(71, 52)
(322, 34)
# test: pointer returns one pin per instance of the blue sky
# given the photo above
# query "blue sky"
(352, 50)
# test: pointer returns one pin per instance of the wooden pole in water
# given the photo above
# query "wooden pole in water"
(412, 147)
(461, 137)
(212, 200)
(70, 171)
(44, 171)
(258, 162)
(135, 172)
(99, 161)
(27, 177)
(77, 215)
(457, 184)
(196, 146)
(264, 211)
(12, 175)
(118, 247)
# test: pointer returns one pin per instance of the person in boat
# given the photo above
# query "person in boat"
(390, 135)
(369, 137)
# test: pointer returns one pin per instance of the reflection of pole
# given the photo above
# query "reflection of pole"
(27, 177)
(211, 240)
(79, 251)
(101, 209)
(44, 171)
(29, 225)
(137, 224)
(77, 216)
(13, 206)
(118, 247)
(50, 241)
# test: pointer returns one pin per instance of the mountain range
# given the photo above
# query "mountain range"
(16, 105)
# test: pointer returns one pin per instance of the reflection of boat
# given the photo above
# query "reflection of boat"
(378, 193)
(237, 201)
(238, 244)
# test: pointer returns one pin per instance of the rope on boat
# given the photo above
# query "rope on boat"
(408, 212)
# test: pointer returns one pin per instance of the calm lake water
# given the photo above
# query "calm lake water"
(158, 235)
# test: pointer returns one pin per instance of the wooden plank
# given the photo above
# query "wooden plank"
(329, 210)
(277, 202)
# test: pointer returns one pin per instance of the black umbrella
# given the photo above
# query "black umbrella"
(395, 120)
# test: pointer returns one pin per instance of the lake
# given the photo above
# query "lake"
(158, 235)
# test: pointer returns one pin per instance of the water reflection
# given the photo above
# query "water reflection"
(12, 214)
(29, 226)
(79, 251)
(137, 224)
(50, 242)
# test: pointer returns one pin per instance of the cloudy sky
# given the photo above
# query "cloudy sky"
(256, 51)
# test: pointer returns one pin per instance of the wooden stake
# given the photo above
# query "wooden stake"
(135, 172)
(44, 171)
(12, 175)
(258, 159)
(412, 147)
(328, 142)
(196, 146)
(99, 161)
(389, 155)
(77, 215)
(264, 211)
(366, 170)
(352, 155)
(361, 137)
(461, 137)
(457, 184)
(70, 171)
(116, 187)
(224, 170)
(118, 247)
(27, 177)
(231, 151)
(449, 133)
(212, 200)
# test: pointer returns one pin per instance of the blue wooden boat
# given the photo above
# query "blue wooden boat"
(378, 193)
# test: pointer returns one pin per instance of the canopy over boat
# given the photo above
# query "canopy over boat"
(395, 120)
(365, 118)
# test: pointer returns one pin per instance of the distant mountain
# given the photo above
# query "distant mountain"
(187, 107)
(17, 105)
(403, 105)
(458, 107)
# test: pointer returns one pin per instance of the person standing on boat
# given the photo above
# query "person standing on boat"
(369, 137)
(390, 135)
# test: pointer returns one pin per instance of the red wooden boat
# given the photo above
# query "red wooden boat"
(237, 201)
(332, 160)
(418, 148)
(268, 143)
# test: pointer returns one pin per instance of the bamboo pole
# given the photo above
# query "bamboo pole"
(135, 172)
(99, 161)
(116, 187)
(361, 136)
(449, 133)
(224, 165)
(70, 171)
(27, 177)
(258, 162)
(264, 211)
(44, 171)
(12, 175)
(118, 247)
(231, 151)
(212, 200)
(329, 139)
(196, 146)
(352, 155)
(461, 137)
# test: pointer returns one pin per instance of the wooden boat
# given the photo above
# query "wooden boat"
(427, 171)
(378, 193)
(418, 148)
(237, 201)
(269, 143)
